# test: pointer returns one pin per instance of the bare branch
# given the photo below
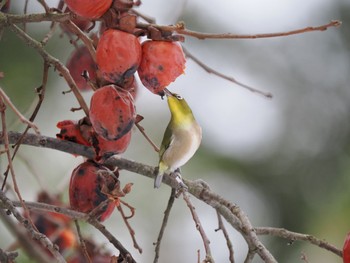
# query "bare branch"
(46, 7)
(142, 130)
(164, 224)
(125, 254)
(293, 236)
(49, 142)
(81, 35)
(82, 242)
(199, 227)
(131, 231)
(52, 61)
(10, 164)
(180, 29)
(230, 211)
(41, 94)
(17, 112)
(223, 76)
(227, 238)
(9, 19)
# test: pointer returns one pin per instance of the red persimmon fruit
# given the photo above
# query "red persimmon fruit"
(162, 62)
(91, 9)
(112, 112)
(85, 190)
(118, 55)
(106, 148)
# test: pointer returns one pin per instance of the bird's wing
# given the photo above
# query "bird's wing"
(167, 141)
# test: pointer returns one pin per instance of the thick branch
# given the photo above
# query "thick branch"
(231, 212)
(48, 142)
(9, 19)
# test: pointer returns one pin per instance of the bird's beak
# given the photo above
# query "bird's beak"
(168, 93)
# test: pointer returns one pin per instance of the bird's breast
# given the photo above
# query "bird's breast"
(184, 144)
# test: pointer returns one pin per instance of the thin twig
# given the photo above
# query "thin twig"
(223, 76)
(82, 242)
(49, 34)
(227, 238)
(293, 236)
(124, 254)
(25, 8)
(98, 210)
(142, 130)
(44, 208)
(147, 18)
(41, 94)
(10, 164)
(231, 212)
(81, 35)
(131, 230)
(46, 7)
(180, 29)
(52, 61)
(164, 224)
(17, 112)
(199, 227)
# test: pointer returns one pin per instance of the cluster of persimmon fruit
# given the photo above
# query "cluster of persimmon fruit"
(122, 51)
(110, 74)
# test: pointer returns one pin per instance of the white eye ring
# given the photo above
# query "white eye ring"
(179, 97)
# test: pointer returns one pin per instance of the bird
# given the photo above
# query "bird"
(181, 139)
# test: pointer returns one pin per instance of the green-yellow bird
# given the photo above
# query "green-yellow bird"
(181, 139)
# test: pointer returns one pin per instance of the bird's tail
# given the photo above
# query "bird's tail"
(159, 178)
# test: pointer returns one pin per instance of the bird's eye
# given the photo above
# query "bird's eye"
(179, 97)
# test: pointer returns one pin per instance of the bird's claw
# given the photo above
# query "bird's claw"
(181, 186)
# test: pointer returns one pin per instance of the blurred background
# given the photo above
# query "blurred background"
(284, 161)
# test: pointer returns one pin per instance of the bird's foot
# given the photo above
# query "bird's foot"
(181, 186)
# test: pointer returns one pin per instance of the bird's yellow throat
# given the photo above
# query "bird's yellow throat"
(181, 113)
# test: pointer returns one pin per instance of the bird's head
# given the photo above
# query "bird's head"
(181, 113)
